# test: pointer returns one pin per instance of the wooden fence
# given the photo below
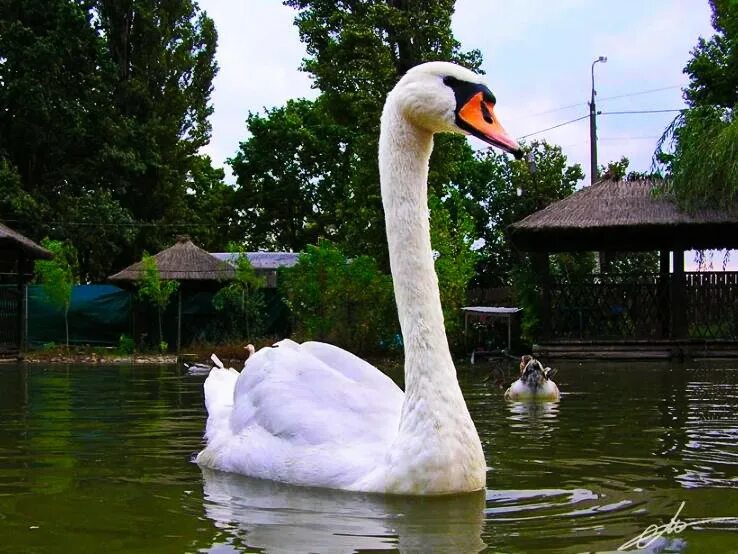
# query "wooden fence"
(643, 307)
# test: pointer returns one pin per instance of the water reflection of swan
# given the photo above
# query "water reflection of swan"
(284, 518)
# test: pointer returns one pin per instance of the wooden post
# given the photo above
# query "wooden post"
(21, 304)
(662, 299)
(179, 318)
(679, 326)
(543, 273)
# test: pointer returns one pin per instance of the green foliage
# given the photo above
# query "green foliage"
(703, 165)
(102, 121)
(292, 174)
(347, 302)
(452, 236)
(58, 276)
(506, 191)
(699, 150)
(126, 345)
(154, 289)
(313, 165)
(241, 300)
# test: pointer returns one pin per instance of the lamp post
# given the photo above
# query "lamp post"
(593, 171)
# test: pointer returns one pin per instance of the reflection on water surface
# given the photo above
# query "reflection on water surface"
(93, 456)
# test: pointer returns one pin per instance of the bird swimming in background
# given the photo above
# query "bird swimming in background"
(313, 414)
(534, 382)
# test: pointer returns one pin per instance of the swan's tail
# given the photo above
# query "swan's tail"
(219, 387)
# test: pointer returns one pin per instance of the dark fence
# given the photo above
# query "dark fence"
(644, 307)
(9, 319)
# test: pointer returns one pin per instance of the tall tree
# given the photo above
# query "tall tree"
(164, 58)
(357, 51)
(698, 150)
(104, 106)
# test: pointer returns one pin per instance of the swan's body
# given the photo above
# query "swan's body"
(313, 414)
(534, 383)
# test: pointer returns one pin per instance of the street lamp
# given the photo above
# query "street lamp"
(593, 172)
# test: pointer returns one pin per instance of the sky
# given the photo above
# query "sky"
(537, 59)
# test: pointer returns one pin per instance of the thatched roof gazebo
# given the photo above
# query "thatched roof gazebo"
(184, 262)
(17, 254)
(623, 216)
(663, 313)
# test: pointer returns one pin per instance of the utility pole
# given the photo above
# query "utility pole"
(593, 170)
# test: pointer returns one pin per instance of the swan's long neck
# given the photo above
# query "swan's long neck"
(404, 152)
(434, 412)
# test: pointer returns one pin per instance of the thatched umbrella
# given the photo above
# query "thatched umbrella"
(182, 262)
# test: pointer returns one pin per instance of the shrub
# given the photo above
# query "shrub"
(347, 302)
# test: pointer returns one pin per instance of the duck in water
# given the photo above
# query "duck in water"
(534, 382)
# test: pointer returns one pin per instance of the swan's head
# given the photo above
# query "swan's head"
(445, 97)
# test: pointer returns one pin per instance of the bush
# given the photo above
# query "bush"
(126, 345)
(347, 302)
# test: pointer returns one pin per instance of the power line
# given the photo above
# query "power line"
(640, 111)
(639, 93)
(624, 112)
(606, 98)
(188, 224)
(651, 137)
(555, 126)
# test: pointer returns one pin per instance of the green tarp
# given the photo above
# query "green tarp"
(98, 315)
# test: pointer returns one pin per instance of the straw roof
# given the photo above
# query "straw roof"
(182, 262)
(623, 216)
(12, 240)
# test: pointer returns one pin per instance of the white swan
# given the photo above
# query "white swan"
(535, 382)
(316, 415)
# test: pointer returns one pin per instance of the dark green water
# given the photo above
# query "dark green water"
(97, 459)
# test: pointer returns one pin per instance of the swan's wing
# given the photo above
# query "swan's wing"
(314, 394)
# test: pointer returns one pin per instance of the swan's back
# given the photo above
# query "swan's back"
(306, 414)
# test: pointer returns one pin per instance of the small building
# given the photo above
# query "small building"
(195, 269)
(17, 254)
(265, 264)
(666, 313)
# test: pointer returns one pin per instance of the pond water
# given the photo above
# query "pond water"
(98, 459)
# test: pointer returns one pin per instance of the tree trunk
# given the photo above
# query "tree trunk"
(66, 324)
(161, 334)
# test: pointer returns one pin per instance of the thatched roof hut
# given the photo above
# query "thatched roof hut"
(12, 240)
(623, 216)
(17, 253)
(182, 262)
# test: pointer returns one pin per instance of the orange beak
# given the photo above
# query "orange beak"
(479, 115)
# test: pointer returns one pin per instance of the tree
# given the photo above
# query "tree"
(322, 178)
(57, 277)
(106, 102)
(241, 299)
(292, 174)
(506, 191)
(698, 150)
(157, 291)
(452, 237)
(348, 302)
